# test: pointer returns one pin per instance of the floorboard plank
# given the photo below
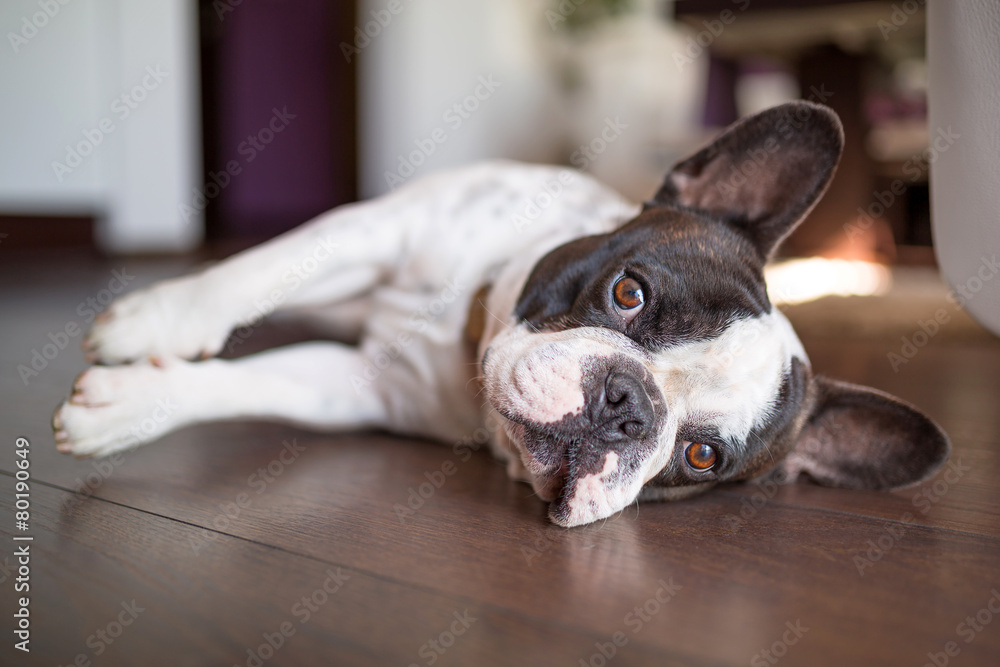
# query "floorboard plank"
(222, 537)
(97, 564)
(482, 538)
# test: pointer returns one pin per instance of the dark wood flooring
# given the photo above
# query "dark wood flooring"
(186, 553)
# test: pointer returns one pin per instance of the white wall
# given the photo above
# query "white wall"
(431, 54)
(64, 66)
(429, 57)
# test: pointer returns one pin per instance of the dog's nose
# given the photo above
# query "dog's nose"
(621, 410)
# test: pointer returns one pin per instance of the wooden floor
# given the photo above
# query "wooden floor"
(256, 544)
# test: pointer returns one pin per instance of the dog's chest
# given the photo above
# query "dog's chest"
(474, 232)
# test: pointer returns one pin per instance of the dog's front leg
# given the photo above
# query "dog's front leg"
(340, 254)
(120, 407)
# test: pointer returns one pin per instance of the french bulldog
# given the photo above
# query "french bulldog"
(622, 352)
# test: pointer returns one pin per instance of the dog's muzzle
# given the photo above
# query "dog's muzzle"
(595, 450)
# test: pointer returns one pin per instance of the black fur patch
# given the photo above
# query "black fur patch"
(764, 448)
(698, 275)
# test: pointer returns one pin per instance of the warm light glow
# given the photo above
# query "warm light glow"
(801, 280)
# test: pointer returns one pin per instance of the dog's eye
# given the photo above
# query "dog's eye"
(628, 297)
(700, 456)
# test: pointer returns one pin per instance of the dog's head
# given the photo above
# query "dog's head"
(649, 362)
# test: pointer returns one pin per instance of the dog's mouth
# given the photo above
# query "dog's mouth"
(586, 463)
(547, 468)
(560, 467)
(581, 482)
(552, 487)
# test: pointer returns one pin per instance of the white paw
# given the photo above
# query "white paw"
(184, 318)
(118, 408)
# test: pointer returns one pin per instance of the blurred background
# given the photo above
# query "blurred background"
(140, 139)
(154, 128)
(311, 104)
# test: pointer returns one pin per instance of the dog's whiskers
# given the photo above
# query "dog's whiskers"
(493, 315)
(766, 448)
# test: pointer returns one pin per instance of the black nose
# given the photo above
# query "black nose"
(620, 409)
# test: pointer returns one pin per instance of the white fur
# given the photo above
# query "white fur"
(594, 497)
(417, 257)
(539, 375)
(729, 383)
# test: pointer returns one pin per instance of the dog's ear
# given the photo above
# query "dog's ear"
(861, 438)
(763, 174)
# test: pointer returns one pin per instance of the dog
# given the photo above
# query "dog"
(624, 353)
